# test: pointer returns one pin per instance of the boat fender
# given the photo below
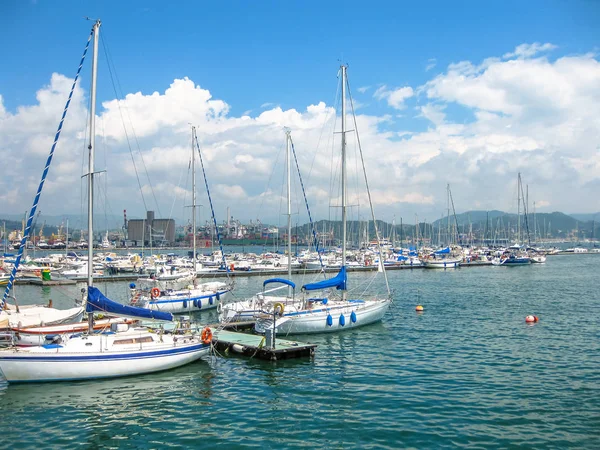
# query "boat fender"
(206, 335)
(210, 300)
(353, 317)
(155, 292)
(131, 285)
(185, 303)
(324, 301)
(329, 320)
(218, 296)
(342, 320)
(195, 303)
(220, 308)
(199, 304)
(238, 348)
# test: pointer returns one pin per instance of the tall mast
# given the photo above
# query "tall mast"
(193, 203)
(289, 205)
(343, 168)
(448, 206)
(92, 144)
(519, 208)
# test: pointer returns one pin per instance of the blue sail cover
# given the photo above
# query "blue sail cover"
(97, 302)
(443, 251)
(280, 280)
(338, 282)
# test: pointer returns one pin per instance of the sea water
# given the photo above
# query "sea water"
(466, 372)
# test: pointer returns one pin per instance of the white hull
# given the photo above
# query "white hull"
(206, 296)
(442, 264)
(314, 321)
(97, 356)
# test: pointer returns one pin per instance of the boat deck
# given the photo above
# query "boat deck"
(253, 345)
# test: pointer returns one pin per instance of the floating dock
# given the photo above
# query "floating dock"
(253, 345)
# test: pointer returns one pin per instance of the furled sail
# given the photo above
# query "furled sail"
(97, 302)
(338, 282)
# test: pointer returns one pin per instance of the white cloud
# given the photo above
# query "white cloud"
(431, 63)
(395, 97)
(363, 89)
(529, 50)
(484, 122)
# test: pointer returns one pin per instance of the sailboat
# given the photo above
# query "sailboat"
(123, 349)
(330, 312)
(444, 258)
(251, 308)
(514, 255)
(193, 297)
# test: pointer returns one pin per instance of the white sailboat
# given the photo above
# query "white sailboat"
(193, 296)
(330, 312)
(123, 349)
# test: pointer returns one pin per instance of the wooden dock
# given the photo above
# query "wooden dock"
(253, 345)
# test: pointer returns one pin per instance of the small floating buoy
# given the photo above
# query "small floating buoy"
(531, 319)
(419, 308)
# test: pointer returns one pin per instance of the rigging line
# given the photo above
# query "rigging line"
(312, 225)
(212, 209)
(329, 135)
(44, 175)
(123, 123)
(269, 181)
(175, 198)
(387, 285)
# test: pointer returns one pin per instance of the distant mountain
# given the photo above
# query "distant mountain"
(587, 217)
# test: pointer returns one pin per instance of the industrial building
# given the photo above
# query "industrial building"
(151, 231)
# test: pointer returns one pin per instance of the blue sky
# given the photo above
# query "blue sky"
(255, 56)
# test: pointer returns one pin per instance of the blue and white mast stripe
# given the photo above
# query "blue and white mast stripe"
(41, 186)
(212, 210)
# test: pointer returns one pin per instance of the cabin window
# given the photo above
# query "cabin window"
(140, 340)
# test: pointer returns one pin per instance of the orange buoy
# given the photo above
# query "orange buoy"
(419, 308)
(531, 319)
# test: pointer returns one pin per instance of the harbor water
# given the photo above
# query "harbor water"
(466, 372)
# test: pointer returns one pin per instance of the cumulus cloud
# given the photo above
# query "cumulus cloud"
(481, 122)
(395, 97)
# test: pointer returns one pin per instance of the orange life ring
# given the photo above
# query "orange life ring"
(232, 267)
(206, 335)
(155, 292)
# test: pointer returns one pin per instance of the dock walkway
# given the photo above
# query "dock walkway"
(253, 345)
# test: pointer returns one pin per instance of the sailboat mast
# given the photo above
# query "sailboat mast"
(289, 206)
(343, 169)
(193, 203)
(92, 144)
(519, 208)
